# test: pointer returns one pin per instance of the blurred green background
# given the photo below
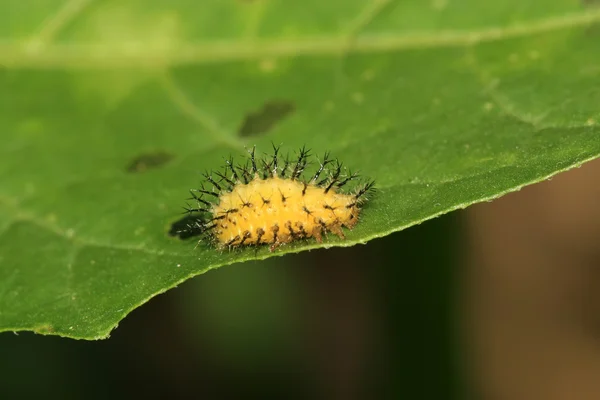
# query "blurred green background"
(372, 321)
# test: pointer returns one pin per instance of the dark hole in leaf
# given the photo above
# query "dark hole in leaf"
(184, 228)
(265, 119)
(146, 161)
(590, 3)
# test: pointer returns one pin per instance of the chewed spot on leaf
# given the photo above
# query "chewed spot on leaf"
(270, 201)
(266, 118)
(146, 161)
(184, 228)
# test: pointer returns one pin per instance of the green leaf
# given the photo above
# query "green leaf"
(110, 109)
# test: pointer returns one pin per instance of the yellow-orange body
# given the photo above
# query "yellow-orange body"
(279, 210)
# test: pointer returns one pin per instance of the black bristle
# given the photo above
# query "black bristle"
(274, 161)
(302, 231)
(209, 178)
(265, 201)
(300, 163)
(259, 234)
(244, 202)
(334, 177)
(246, 235)
(253, 160)
(283, 198)
(225, 178)
(285, 165)
(367, 187)
(322, 166)
(244, 171)
(290, 229)
(189, 210)
(322, 182)
(350, 177)
(266, 169)
(236, 238)
(205, 192)
(229, 163)
(199, 199)
(305, 186)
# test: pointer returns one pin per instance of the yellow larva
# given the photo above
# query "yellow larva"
(273, 204)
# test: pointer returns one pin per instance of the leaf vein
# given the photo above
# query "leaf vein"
(55, 23)
(86, 55)
(23, 216)
(191, 110)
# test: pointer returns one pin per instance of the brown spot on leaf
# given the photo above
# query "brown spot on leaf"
(147, 161)
(266, 118)
(45, 329)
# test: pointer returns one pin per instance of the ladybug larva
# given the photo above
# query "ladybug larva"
(271, 201)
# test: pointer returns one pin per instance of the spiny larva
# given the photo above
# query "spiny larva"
(270, 201)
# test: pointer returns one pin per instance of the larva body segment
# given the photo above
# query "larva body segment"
(265, 205)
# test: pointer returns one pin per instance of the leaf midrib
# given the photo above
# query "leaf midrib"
(25, 53)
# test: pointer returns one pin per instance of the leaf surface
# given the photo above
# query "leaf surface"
(109, 110)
